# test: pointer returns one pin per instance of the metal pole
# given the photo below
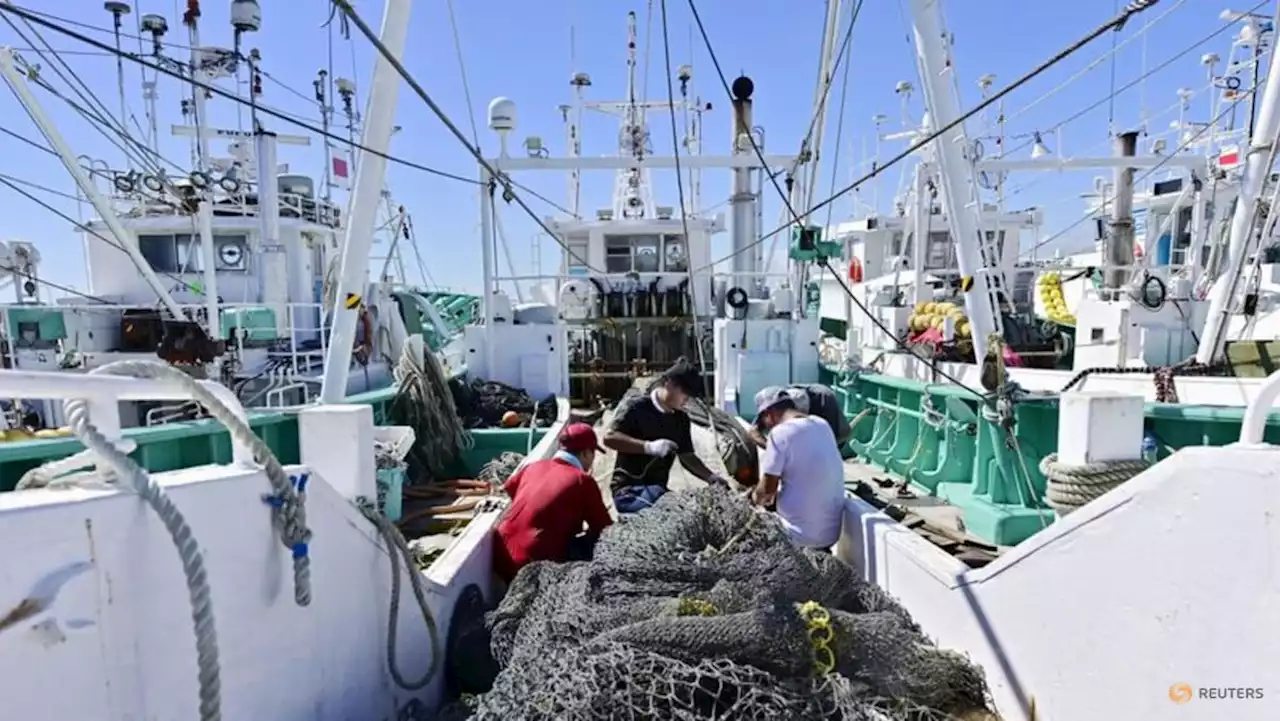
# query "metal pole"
(1257, 167)
(1119, 245)
(204, 216)
(936, 71)
(370, 171)
(68, 157)
(487, 265)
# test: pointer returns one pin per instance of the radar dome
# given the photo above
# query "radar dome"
(502, 114)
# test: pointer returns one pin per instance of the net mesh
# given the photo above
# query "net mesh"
(701, 608)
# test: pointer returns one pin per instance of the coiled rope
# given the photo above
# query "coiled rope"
(288, 510)
(398, 553)
(1071, 486)
(207, 659)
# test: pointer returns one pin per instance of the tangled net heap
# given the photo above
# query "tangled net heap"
(483, 403)
(701, 608)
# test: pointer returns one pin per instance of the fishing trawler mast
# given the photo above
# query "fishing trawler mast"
(636, 285)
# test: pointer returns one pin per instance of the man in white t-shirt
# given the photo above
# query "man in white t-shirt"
(802, 469)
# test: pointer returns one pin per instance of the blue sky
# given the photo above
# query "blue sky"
(522, 50)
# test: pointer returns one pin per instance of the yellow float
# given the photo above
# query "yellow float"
(1049, 286)
(934, 314)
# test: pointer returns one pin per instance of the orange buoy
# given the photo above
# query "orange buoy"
(855, 270)
(510, 419)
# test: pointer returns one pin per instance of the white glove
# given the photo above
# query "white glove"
(718, 480)
(659, 448)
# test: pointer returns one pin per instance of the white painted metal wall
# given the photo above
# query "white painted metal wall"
(114, 641)
(1170, 579)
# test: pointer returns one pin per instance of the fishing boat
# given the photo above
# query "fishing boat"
(228, 266)
(948, 534)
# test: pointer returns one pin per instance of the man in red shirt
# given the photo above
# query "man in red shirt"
(551, 500)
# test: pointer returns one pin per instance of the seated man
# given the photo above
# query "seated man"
(648, 431)
(817, 400)
(802, 470)
(551, 500)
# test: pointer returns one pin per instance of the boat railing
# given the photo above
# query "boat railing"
(300, 342)
(104, 393)
(149, 197)
(1254, 423)
(678, 275)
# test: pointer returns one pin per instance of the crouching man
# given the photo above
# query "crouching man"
(650, 431)
(801, 471)
(813, 399)
(551, 500)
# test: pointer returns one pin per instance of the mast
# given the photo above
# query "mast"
(1240, 241)
(204, 214)
(826, 77)
(17, 81)
(363, 216)
(955, 171)
(1119, 244)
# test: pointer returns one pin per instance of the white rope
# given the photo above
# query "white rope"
(1071, 486)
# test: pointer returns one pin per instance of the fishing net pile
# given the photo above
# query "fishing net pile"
(483, 404)
(700, 608)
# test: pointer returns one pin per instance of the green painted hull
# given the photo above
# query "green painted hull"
(197, 443)
(935, 437)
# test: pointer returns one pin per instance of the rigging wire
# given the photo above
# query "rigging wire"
(80, 37)
(5, 180)
(684, 208)
(462, 69)
(824, 263)
(496, 177)
(107, 31)
(1114, 23)
(1133, 83)
(96, 110)
(44, 188)
(844, 95)
(1018, 190)
(829, 81)
(1110, 54)
(1093, 212)
(724, 82)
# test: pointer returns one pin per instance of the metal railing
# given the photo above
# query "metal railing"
(303, 326)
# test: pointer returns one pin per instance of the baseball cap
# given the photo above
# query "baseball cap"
(578, 437)
(773, 396)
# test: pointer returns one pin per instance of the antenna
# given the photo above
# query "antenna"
(118, 10)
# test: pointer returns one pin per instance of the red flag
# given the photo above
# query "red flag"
(341, 168)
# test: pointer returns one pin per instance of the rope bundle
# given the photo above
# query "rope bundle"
(1071, 486)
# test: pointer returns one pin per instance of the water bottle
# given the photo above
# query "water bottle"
(1149, 446)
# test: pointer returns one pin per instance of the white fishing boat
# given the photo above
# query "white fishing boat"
(696, 608)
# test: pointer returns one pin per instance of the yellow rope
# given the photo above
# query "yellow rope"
(694, 607)
(818, 621)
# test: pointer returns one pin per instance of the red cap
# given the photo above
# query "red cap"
(578, 437)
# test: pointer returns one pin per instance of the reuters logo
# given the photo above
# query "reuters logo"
(1180, 693)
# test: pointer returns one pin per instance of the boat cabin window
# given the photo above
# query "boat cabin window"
(180, 252)
(576, 265)
(940, 254)
(631, 253)
(675, 254)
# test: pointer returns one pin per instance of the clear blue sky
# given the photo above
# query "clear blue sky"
(522, 50)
